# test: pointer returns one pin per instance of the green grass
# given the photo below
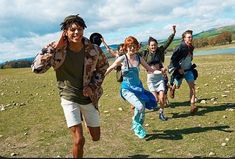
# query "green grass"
(33, 125)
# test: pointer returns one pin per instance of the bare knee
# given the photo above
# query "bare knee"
(80, 141)
(95, 133)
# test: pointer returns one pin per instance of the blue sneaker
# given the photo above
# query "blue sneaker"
(162, 117)
(139, 131)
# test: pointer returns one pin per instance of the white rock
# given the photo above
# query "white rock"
(13, 154)
(159, 150)
(213, 99)
(120, 109)
(215, 102)
(1, 136)
(224, 116)
(211, 154)
(223, 144)
(106, 111)
(224, 95)
(206, 84)
(226, 91)
(203, 101)
(2, 108)
(226, 139)
(146, 125)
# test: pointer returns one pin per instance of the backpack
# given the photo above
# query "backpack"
(119, 76)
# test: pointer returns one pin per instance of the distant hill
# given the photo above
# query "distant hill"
(204, 34)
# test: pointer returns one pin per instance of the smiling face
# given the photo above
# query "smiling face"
(152, 46)
(131, 45)
(188, 38)
(132, 49)
(74, 33)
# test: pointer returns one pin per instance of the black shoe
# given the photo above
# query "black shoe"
(162, 117)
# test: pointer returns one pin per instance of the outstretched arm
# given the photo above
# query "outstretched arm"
(170, 38)
(116, 63)
(111, 51)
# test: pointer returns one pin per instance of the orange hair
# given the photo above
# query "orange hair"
(130, 40)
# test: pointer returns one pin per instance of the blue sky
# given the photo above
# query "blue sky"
(26, 26)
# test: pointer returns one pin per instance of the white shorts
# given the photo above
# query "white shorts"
(155, 82)
(72, 113)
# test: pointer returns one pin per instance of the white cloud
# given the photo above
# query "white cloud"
(28, 25)
(25, 47)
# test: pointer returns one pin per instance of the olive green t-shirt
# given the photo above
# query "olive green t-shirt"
(70, 77)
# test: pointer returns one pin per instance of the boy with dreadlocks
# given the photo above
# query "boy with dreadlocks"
(80, 67)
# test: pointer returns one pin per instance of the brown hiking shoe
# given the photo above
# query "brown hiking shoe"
(172, 92)
(193, 110)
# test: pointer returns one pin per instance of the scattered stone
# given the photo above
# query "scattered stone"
(120, 109)
(213, 99)
(226, 91)
(223, 144)
(224, 116)
(106, 111)
(146, 125)
(215, 102)
(1, 136)
(22, 104)
(203, 102)
(226, 139)
(230, 109)
(2, 107)
(2, 94)
(224, 95)
(159, 150)
(152, 118)
(58, 156)
(26, 133)
(13, 154)
(106, 95)
(206, 84)
(211, 154)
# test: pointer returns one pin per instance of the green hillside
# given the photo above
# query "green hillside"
(204, 34)
(32, 123)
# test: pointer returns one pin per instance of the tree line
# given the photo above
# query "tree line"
(223, 38)
(16, 64)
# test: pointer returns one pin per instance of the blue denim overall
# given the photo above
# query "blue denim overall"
(130, 89)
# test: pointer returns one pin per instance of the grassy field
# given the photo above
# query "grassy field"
(32, 122)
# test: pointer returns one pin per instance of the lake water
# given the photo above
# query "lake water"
(218, 51)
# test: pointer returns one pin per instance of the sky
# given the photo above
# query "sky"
(27, 26)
